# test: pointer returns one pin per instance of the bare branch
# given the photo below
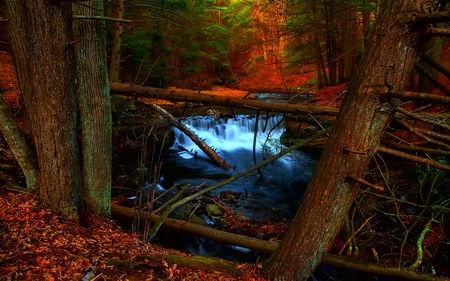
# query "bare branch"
(432, 18)
(440, 32)
(424, 57)
(415, 149)
(419, 96)
(413, 158)
(424, 118)
(421, 135)
(78, 17)
(438, 84)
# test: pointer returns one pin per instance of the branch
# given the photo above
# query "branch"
(253, 168)
(422, 118)
(427, 75)
(424, 57)
(418, 96)
(440, 32)
(436, 17)
(79, 17)
(413, 158)
(364, 182)
(420, 134)
(201, 144)
(414, 148)
(435, 134)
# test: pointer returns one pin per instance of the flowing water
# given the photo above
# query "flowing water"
(275, 195)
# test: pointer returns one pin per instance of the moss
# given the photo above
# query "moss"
(206, 263)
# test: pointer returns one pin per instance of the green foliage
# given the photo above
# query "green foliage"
(193, 69)
(192, 36)
(176, 5)
(137, 45)
(433, 182)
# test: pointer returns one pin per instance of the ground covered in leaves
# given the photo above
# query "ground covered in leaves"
(37, 244)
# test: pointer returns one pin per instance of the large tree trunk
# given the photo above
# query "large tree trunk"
(95, 108)
(41, 32)
(353, 142)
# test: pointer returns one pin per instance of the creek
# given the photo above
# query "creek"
(273, 194)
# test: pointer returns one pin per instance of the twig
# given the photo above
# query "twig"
(354, 234)
(362, 181)
(152, 232)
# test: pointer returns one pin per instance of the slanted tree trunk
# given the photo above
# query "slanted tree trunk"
(352, 144)
(41, 32)
(95, 108)
(18, 145)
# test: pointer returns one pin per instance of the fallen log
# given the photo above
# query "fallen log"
(201, 144)
(263, 246)
(192, 96)
(179, 226)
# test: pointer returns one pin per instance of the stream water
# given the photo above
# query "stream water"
(275, 195)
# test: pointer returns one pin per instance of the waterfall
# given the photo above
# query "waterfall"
(231, 134)
(283, 180)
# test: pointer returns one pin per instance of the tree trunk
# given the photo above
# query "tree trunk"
(95, 108)
(350, 42)
(18, 145)
(41, 32)
(353, 142)
(116, 57)
(331, 41)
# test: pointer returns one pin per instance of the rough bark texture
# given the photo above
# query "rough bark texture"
(41, 32)
(18, 145)
(95, 108)
(114, 66)
(360, 124)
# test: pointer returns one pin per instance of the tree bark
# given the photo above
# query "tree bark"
(360, 124)
(18, 145)
(41, 32)
(116, 57)
(95, 108)
(193, 96)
